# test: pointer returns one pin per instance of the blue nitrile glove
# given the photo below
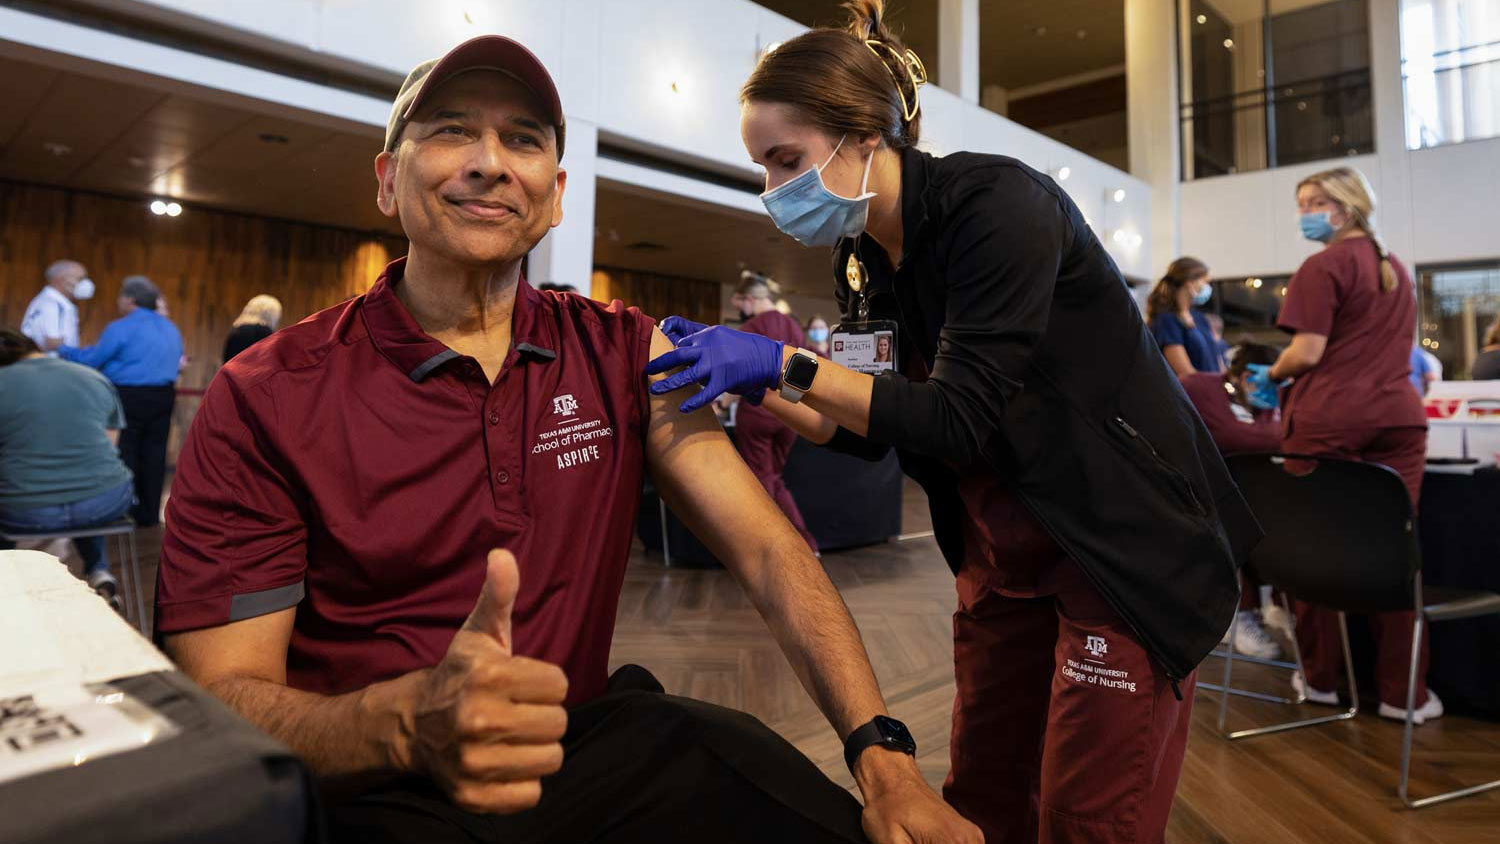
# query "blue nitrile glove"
(723, 361)
(1267, 394)
(676, 328)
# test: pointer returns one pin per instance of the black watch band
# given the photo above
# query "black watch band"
(880, 731)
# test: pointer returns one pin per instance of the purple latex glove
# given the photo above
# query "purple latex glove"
(676, 328)
(723, 361)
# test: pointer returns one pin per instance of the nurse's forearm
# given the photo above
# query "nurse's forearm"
(808, 423)
(840, 394)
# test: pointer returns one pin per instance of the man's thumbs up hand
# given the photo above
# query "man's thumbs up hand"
(497, 598)
(487, 724)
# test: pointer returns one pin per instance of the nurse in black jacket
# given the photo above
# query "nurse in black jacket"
(1092, 526)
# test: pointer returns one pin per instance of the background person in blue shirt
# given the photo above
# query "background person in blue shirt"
(139, 354)
(1181, 330)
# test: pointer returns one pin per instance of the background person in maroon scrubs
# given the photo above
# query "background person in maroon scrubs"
(763, 440)
(1352, 310)
(331, 567)
(1239, 427)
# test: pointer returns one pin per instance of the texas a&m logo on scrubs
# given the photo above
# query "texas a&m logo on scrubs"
(564, 405)
(1096, 646)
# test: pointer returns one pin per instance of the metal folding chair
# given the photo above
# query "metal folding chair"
(1342, 534)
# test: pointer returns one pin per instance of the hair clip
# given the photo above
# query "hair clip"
(915, 71)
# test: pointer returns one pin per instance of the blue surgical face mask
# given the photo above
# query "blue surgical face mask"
(1202, 296)
(1316, 227)
(817, 335)
(813, 215)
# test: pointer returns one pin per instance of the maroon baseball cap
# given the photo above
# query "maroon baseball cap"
(487, 52)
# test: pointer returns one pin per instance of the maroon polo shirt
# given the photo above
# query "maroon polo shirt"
(1362, 380)
(356, 468)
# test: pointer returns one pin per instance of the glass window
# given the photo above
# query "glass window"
(1272, 82)
(1249, 307)
(1450, 67)
(1458, 306)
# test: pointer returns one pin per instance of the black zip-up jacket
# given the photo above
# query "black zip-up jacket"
(1041, 368)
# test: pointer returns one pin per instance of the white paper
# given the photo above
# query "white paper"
(58, 635)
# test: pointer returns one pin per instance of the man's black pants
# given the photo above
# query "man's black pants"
(143, 445)
(639, 765)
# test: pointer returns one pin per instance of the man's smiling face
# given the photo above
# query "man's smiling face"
(474, 176)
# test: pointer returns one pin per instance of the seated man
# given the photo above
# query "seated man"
(1240, 423)
(327, 566)
(58, 468)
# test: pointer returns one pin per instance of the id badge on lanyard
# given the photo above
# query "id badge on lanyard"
(863, 345)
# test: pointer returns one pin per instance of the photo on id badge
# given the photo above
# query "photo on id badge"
(864, 347)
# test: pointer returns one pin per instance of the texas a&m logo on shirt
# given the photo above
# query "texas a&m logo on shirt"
(564, 405)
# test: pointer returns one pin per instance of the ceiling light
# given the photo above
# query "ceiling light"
(158, 207)
(1119, 236)
(1119, 195)
(1063, 173)
(173, 209)
(1435, 344)
(1229, 43)
(1202, 19)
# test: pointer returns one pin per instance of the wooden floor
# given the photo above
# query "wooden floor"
(1332, 784)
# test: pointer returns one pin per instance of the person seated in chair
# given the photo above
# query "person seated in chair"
(333, 568)
(1242, 420)
(59, 471)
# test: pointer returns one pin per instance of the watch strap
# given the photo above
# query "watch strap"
(870, 735)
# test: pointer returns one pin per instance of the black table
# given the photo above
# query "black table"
(845, 501)
(1460, 536)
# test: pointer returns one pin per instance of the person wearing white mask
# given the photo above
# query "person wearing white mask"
(51, 319)
(1085, 509)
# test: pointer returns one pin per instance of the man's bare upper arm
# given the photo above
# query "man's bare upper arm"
(705, 482)
(255, 648)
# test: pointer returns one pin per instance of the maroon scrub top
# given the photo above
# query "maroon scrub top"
(356, 468)
(1235, 429)
(1362, 380)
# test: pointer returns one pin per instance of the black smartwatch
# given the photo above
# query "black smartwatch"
(882, 731)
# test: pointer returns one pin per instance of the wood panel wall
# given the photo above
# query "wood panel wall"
(207, 264)
(659, 296)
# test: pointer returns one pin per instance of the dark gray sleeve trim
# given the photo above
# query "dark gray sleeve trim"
(252, 604)
(426, 367)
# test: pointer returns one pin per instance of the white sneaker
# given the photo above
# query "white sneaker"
(1276, 618)
(1429, 711)
(1312, 694)
(1251, 639)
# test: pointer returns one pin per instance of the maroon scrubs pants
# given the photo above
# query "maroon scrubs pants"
(1064, 730)
(764, 443)
(1405, 450)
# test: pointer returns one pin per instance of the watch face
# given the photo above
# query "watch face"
(896, 734)
(800, 371)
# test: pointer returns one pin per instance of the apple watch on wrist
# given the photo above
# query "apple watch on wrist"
(798, 374)
(881, 731)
